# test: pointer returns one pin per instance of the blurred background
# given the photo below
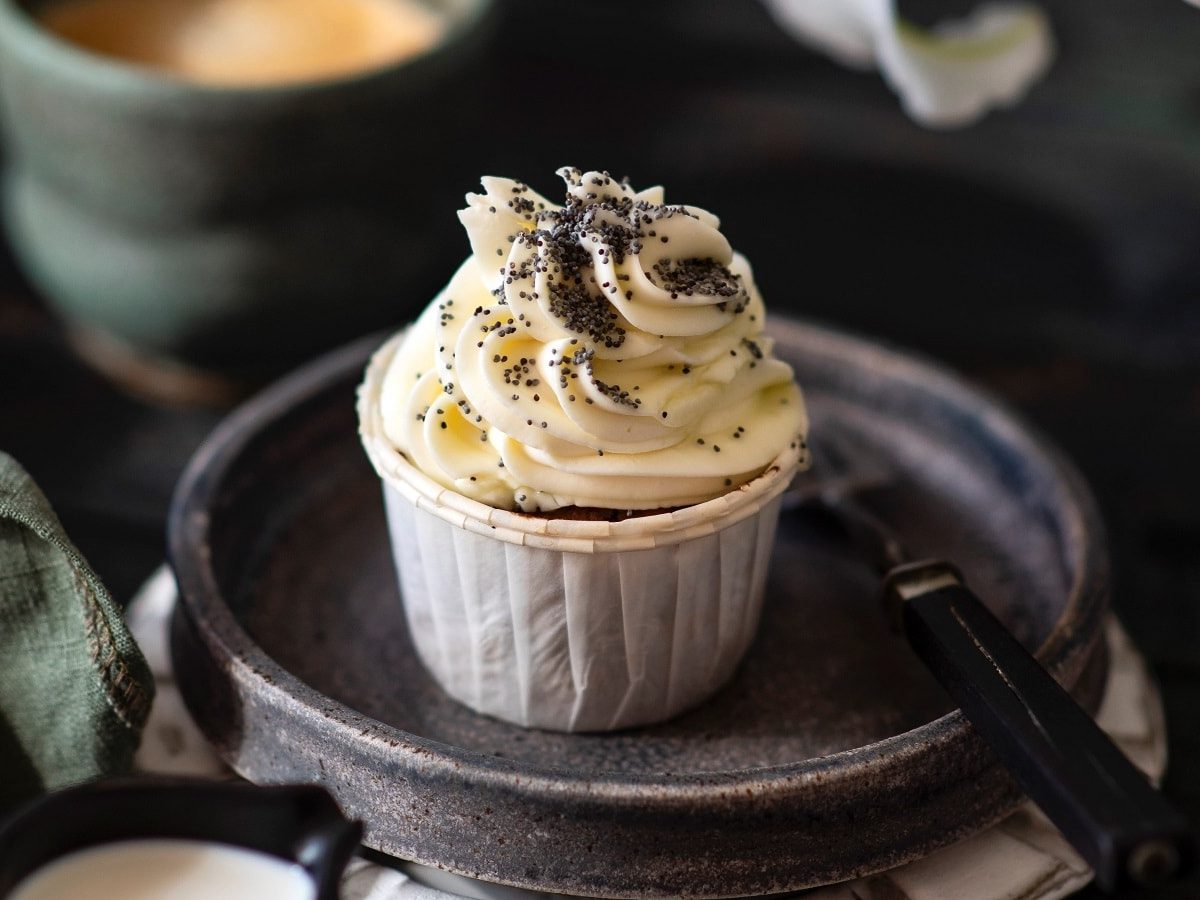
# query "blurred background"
(1049, 252)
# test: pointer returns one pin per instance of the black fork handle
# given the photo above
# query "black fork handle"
(1107, 809)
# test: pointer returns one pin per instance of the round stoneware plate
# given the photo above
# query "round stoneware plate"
(830, 755)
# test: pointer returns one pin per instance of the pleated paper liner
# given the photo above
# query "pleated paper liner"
(575, 625)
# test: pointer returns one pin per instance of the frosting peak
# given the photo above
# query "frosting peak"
(606, 352)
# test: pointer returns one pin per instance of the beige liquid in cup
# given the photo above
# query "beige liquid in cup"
(248, 42)
(167, 870)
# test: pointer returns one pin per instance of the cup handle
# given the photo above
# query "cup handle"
(325, 842)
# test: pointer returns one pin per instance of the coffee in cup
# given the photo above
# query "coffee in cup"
(248, 42)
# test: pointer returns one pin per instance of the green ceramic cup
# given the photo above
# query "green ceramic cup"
(231, 229)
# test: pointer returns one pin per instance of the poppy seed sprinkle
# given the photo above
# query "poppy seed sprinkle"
(619, 311)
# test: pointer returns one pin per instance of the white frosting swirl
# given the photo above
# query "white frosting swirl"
(605, 353)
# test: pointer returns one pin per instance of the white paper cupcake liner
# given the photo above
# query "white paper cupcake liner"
(571, 625)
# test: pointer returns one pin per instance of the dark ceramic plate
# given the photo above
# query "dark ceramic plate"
(831, 754)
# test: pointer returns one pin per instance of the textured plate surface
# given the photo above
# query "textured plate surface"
(831, 754)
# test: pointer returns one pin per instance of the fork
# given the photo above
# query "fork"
(1109, 812)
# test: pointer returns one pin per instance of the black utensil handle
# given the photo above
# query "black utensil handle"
(1105, 807)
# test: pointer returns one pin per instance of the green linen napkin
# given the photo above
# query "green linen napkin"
(74, 687)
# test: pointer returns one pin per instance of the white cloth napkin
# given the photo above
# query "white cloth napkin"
(1022, 858)
(948, 76)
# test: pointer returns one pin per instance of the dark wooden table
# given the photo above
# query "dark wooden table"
(1049, 253)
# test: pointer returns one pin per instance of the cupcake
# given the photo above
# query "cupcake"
(583, 441)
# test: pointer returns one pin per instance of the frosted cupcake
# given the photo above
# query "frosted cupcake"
(583, 440)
